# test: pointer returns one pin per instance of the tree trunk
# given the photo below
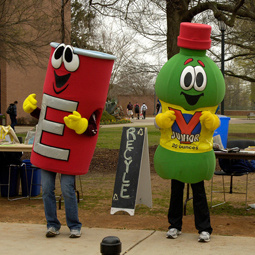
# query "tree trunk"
(252, 96)
(62, 21)
(175, 12)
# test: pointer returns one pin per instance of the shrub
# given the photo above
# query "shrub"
(109, 119)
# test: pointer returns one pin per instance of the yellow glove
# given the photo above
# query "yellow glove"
(76, 122)
(30, 103)
(209, 120)
(166, 119)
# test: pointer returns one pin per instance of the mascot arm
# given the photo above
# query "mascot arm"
(36, 113)
(166, 119)
(92, 126)
(76, 122)
(210, 120)
(30, 103)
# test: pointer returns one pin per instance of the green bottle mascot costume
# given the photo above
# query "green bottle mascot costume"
(189, 86)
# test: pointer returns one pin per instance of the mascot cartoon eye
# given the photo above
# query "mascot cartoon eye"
(201, 79)
(71, 60)
(57, 56)
(187, 78)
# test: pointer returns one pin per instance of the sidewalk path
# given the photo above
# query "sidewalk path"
(29, 239)
(149, 121)
(134, 123)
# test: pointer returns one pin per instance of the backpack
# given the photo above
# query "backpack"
(10, 109)
(130, 107)
(237, 165)
(144, 108)
(137, 108)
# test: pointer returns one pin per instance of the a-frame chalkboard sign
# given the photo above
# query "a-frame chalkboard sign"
(133, 181)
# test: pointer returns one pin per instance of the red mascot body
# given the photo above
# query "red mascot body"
(76, 80)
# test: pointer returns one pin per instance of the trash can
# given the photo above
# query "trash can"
(36, 188)
(14, 181)
(222, 130)
(2, 119)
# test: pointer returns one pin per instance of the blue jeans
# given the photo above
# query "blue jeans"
(49, 200)
(13, 121)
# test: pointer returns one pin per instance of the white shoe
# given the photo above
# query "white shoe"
(52, 232)
(75, 233)
(204, 237)
(173, 233)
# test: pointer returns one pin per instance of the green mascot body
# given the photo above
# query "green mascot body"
(189, 86)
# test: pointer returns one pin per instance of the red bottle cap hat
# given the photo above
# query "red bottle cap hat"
(194, 36)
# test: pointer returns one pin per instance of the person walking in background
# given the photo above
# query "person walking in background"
(137, 110)
(12, 111)
(143, 110)
(130, 110)
(158, 106)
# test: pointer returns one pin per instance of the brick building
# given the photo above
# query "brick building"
(17, 83)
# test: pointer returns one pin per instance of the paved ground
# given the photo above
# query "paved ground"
(241, 121)
(28, 239)
(148, 121)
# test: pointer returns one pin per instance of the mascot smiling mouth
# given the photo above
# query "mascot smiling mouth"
(60, 82)
(191, 100)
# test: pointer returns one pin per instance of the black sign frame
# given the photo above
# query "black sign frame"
(132, 170)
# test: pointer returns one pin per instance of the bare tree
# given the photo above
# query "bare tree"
(159, 20)
(26, 26)
(130, 76)
(84, 25)
(64, 3)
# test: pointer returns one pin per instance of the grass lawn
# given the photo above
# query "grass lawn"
(110, 137)
(242, 128)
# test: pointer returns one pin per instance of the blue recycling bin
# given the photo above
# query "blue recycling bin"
(36, 180)
(222, 130)
(14, 181)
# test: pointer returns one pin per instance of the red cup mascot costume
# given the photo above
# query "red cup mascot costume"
(74, 95)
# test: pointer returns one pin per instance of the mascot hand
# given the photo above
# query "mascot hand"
(30, 103)
(209, 120)
(76, 122)
(166, 119)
